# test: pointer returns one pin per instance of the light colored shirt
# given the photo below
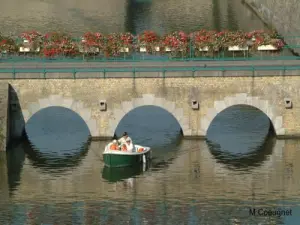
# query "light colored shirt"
(122, 140)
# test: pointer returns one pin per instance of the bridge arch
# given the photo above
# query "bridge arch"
(243, 99)
(60, 101)
(149, 99)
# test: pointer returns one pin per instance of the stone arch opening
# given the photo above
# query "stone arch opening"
(59, 101)
(149, 100)
(243, 99)
(151, 125)
(57, 138)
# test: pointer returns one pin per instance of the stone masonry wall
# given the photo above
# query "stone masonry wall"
(283, 15)
(4, 126)
(173, 94)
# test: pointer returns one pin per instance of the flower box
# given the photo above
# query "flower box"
(90, 50)
(124, 49)
(238, 48)
(205, 49)
(157, 48)
(266, 48)
(168, 49)
(27, 49)
(143, 49)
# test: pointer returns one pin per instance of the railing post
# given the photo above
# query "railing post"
(164, 73)
(74, 74)
(14, 73)
(253, 71)
(44, 73)
(193, 72)
(133, 73)
(104, 73)
(284, 69)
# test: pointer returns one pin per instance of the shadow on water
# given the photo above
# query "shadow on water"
(15, 161)
(241, 137)
(57, 139)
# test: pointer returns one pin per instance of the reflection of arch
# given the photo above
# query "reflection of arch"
(243, 161)
(243, 99)
(149, 99)
(69, 103)
(55, 164)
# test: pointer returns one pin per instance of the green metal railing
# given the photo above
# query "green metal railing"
(48, 73)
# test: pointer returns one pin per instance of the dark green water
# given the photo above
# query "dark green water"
(57, 179)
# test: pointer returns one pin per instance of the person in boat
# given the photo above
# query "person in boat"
(127, 146)
(122, 140)
(114, 145)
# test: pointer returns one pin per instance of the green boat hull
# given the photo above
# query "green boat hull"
(115, 160)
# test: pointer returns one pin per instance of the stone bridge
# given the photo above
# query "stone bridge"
(194, 102)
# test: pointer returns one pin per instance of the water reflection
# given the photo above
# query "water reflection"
(58, 138)
(114, 174)
(15, 161)
(246, 161)
(55, 164)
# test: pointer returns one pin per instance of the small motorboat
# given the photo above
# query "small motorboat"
(118, 158)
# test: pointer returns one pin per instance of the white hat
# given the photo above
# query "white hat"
(128, 139)
(114, 141)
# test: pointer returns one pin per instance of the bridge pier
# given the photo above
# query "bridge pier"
(4, 115)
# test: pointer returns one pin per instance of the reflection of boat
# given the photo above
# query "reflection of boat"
(116, 158)
(114, 174)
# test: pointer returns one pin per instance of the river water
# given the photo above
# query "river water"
(58, 177)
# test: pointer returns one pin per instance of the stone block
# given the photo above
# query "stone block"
(92, 125)
(85, 114)
(178, 113)
(55, 100)
(44, 103)
(148, 99)
(280, 131)
(212, 113)
(118, 114)
(67, 103)
(169, 106)
(187, 132)
(160, 102)
(33, 108)
(127, 106)
(138, 102)
(112, 124)
(220, 105)
(204, 124)
(278, 123)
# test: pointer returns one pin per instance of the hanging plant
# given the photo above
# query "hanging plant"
(176, 42)
(149, 41)
(31, 40)
(92, 42)
(7, 45)
(59, 44)
(117, 43)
